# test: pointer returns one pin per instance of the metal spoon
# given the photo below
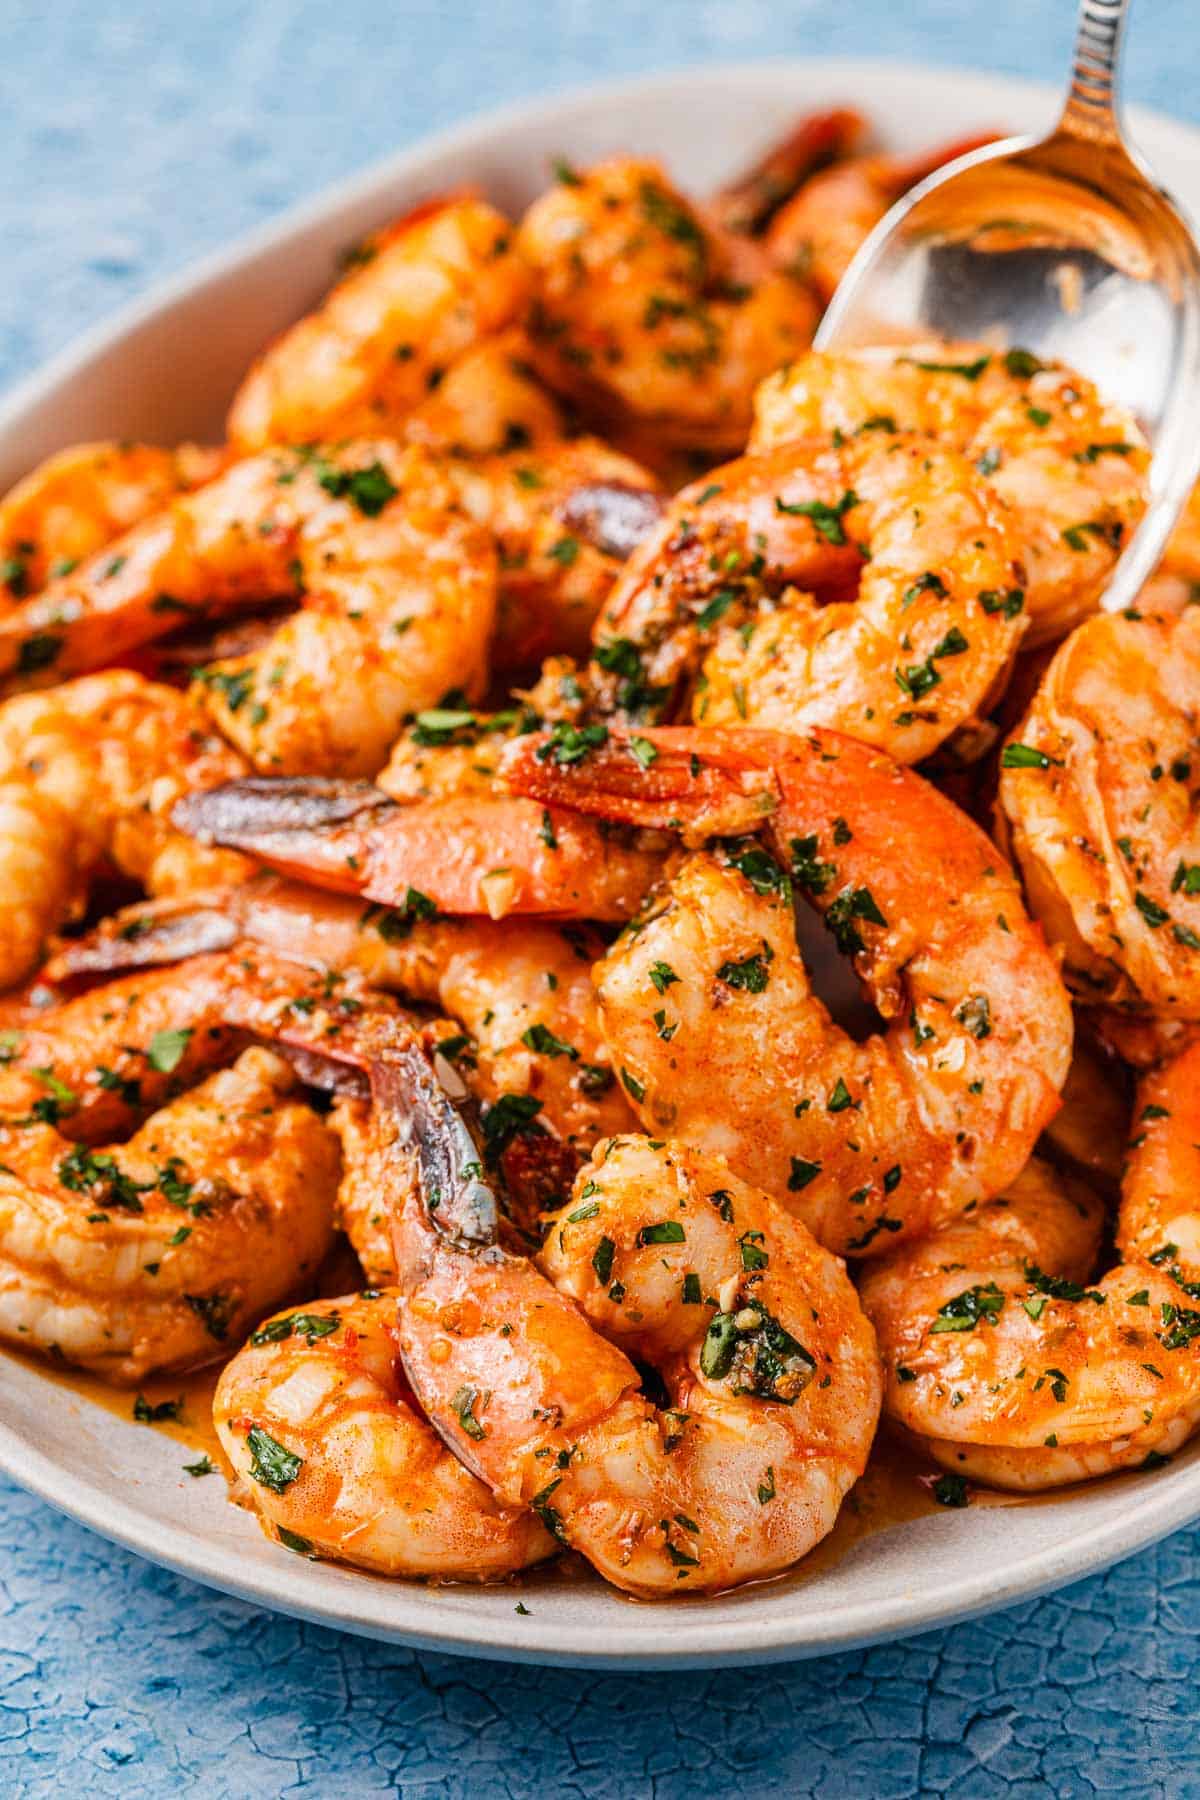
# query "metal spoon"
(1068, 248)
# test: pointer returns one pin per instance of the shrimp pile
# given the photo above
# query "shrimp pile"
(642, 836)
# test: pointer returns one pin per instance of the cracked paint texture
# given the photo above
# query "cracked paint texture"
(134, 135)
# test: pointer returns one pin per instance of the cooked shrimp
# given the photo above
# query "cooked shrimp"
(417, 295)
(79, 500)
(398, 591)
(88, 774)
(1160, 1195)
(489, 403)
(332, 1452)
(565, 512)
(818, 233)
(1012, 1370)
(768, 1362)
(99, 1060)
(564, 517)
(706, 1003)
(519, 991)
(916, 655)
(643, 314)
(471, 850)
(1088, 1131)
(156, 1253)
(819, 139)
(1099, 789)
(1070, 468)
(1181, 559)
(1141, 1040)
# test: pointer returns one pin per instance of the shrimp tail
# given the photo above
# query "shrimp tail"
(409, 1089)
(613, 516)
(147, 936)
(306, 825)
(701, 783)
(748, 203)
(465, 854)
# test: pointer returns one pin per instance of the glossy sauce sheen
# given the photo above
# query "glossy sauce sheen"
(195, 1390)
(895, 1489)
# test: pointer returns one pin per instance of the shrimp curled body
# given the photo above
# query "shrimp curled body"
(769, 1367)
(418, 295)
(1099, 793)
(397, 588)
(718, 606)
(88, 773)
(362, 1479)
(1069, 469)
(707, 1006)
(155, 1254)
(1010, 1365)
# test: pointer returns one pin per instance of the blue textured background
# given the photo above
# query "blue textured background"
(134, 135)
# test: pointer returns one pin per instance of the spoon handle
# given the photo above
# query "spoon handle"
(1091, 109)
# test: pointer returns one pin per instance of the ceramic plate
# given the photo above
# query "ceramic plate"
(165, 370)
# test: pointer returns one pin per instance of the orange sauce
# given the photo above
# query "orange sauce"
(896, 1487)
(193, 1425)
(194, 1391)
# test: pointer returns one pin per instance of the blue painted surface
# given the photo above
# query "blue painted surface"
(134, 135)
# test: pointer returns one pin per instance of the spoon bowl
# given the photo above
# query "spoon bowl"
(1068, 248)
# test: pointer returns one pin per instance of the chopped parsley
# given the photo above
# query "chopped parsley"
(273, 1465)
(663, 1231)
(167, 1049)
(750, 975)
(506, 1118)
(463, 1404)
(826, 519)
(968, 1309)
(370, 489)
(309, 1326)
(542, 1041)
(148, 1412)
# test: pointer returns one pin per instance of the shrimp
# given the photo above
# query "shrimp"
(1159, 1203)
(1070, 468)
(818, 232)
(1008, 1367)
(1098, 793)
(1141, 1040)
(519, 992)
(707, 1007)
(435, 288)
(78, 500)
(565, 512)
(817, 141)
(564, 517)
(466, 848)
(489, 403)
(1088, 1131)
(332, 1452)
(155, 1253)
(645, 315)
(918, 652)
(769, 1365)
(99, 1059)
(88, 773)
(416, 295)
(398, 591)
(236, 1176)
